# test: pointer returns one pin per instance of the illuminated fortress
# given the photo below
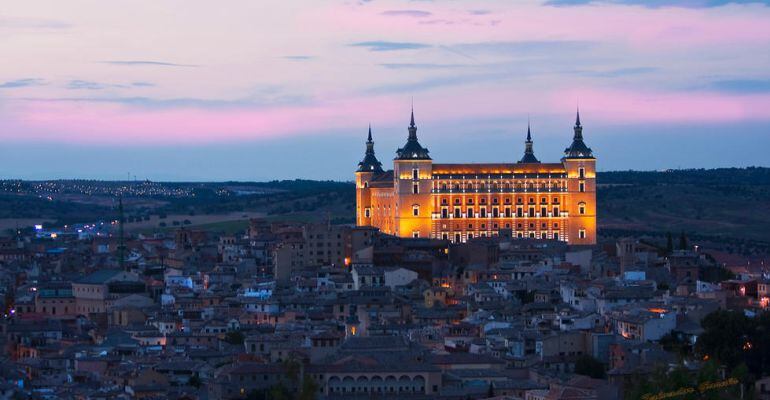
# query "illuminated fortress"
(457, 202)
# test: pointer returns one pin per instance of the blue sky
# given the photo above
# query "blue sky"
(186, 90)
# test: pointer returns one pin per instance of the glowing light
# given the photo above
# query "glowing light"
(747, 346)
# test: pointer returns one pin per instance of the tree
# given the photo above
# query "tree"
(669, 243)
(195, 381)
(723, 337)
(587, 365)
(309, 389)
(234, 337)
(279, 392)
(682, 241)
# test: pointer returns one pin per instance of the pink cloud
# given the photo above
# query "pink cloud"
(641, 106)
(652, 28)
(86, 122)
(83, 122)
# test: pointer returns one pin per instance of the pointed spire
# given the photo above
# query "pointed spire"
(370, 162)
(412, 150)
(529, 134)
(412, 127)
(578, 128)
(577, 119)
(578, 148)
(529, 153)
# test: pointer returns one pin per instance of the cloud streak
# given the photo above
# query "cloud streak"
(390, 46)
(145, 63)
(657, 3)
(407, 13)
(22, 83)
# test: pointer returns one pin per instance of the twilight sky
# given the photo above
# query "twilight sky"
(256, 90)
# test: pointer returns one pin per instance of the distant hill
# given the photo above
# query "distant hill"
(730, 205)
(727, 204)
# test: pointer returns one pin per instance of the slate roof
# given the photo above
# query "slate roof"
(99, 277)
(578, 148)
(412, 150)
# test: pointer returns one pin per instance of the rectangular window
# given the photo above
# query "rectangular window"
(581, 208)
(495, 212)
(532, 212)
(582, 187)
(416, 211)
(445, 236)
(444, 213)
(458, 213)
(483, 212)
(367, 212)
(457, 238)
(582, 173)
(582, 234)
(470, 213)
(415, 234)
(556, 212)
(555, 236)
(543, 212)
(415, 174)
(415, 188)
(543, 235)
(507, 212)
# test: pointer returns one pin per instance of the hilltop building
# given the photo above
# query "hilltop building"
(457, 202)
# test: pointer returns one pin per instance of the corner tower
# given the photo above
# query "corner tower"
(412, 181)
(580, 164)
(367, 169)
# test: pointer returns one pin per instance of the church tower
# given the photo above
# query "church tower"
(412, 179)
(367, 169)
(580, 164)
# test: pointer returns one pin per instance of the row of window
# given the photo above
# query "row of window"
(505, 186)
(462, 237)
(416, 173)
(496, 213)
(496, 200)
(519, 226)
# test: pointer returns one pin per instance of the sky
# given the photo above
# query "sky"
(197, 90)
